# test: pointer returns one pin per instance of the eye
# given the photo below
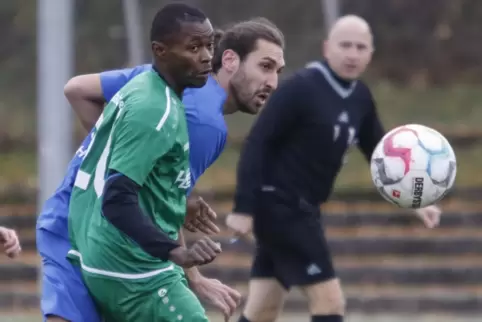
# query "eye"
(266, 66)
(194, 48)
(210, 47)
(361, 47)
(345, 44)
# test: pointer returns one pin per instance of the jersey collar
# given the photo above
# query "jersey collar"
(343, 92)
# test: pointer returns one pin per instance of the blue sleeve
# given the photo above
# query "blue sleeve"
(113, 80)
(206, 143)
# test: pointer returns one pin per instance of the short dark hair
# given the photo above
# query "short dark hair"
(168, 19)
(243, 36)
(218, 34)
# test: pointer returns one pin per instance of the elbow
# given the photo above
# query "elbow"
(73, 89)
(84, 87)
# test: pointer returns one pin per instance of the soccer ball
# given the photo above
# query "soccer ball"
(413, 166)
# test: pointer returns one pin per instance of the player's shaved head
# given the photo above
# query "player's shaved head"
(349, 46)
(350, 24)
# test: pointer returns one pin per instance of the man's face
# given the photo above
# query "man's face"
(257, 77)
(189, 56)
(349, 51)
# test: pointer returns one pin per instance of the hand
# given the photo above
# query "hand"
(429, 215)
(200, 217)
(10, 241)
(241, 224)
(204, 251)
(215, 293)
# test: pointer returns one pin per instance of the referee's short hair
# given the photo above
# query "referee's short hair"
(168, 20)
(243, 36)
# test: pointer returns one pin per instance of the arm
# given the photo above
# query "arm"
(120, 206)
(132, 159)
(273, 124)
(84, 94)
(371, 131)
(210, 290)
(88, 93)
(193, 274)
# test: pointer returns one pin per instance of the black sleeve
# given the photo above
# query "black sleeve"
(275, 121)
(120, 207)
(371, 131)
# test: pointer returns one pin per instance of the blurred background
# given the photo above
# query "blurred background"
(427, 69)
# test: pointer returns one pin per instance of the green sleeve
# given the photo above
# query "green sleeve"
(143, 134)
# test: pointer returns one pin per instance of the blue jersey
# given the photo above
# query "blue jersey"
(207, 137)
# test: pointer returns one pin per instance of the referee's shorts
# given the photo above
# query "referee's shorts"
(291, 244)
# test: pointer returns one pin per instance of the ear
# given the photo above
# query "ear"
(230, 61)
(159, 49)
(324, 48)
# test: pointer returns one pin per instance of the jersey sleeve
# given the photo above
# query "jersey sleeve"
(113, 80)
(142, 136)
(202, 149)
(371, 131)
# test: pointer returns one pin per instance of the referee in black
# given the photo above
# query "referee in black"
(287, 169)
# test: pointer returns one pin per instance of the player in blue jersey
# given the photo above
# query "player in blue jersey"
(246, 66)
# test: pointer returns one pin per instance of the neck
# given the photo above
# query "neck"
(164, 74)
(343, 82)
(230, 105)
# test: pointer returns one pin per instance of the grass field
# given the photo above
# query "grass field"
(302, 318)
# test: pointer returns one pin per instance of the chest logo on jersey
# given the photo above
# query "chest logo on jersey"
(84, 148)
(344, 118)
(183, 180)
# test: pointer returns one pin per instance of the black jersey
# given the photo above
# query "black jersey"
(300, 138)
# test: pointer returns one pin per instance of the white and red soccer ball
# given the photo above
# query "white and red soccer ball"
(413, 166)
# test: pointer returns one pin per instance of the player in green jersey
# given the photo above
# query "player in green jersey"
(129, 199)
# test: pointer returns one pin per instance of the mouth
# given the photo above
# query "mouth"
(263, 96)
(351, 67)
(205, 73)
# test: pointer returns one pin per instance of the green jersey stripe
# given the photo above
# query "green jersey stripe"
(167, 111)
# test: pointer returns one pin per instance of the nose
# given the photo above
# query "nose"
(272, 81)
(353, 53)
(205, 55)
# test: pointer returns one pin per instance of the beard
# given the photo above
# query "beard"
(240, 96)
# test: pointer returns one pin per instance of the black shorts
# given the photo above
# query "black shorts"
(291, 244)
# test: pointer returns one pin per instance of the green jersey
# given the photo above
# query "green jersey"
(141, 134)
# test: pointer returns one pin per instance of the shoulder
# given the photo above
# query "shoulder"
(150, 105)
(299, 78)
(364, 90)
(205, 105)
(302, 82)
(364, 94)
(295, 89)
(148, 91)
